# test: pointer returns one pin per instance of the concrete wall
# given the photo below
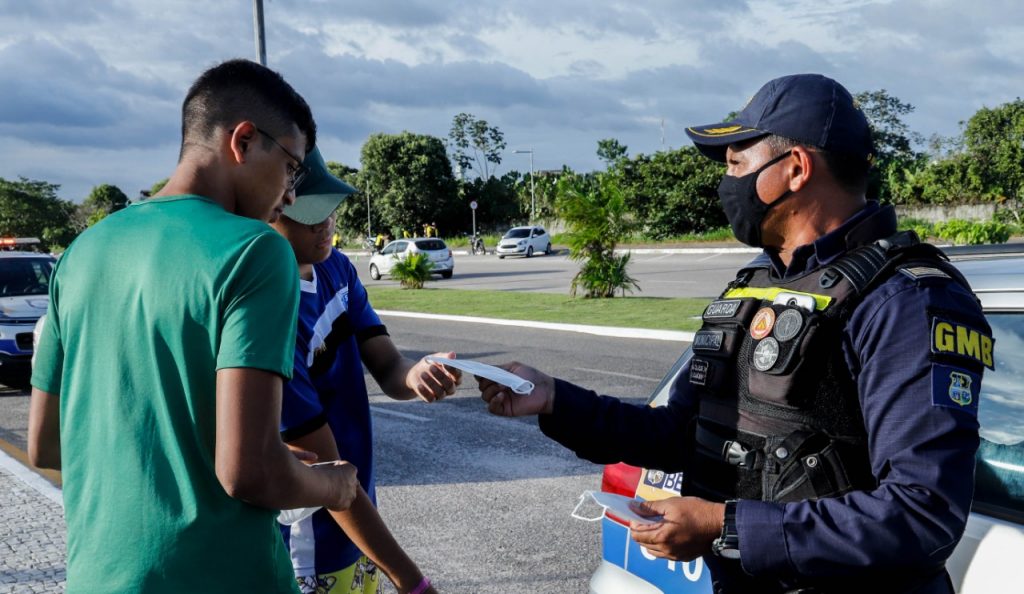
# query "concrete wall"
(937, 214)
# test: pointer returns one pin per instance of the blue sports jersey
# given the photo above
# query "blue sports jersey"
(335, 316)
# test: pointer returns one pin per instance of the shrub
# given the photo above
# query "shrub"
(595, 213)
(962, 232)
(413, 271)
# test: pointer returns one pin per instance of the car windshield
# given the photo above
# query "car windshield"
(430, 245)
(1000, 470)
(24, 276)
(517, 233)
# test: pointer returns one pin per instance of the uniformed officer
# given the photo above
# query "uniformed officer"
(827, 422)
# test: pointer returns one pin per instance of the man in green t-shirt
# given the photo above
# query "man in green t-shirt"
(158, 376)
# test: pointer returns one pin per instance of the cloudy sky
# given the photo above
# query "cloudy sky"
(90, 90)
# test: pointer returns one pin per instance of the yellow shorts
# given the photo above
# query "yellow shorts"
(362, 577)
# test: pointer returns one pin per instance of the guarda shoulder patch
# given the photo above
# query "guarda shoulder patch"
(954, 339)
(916, 273)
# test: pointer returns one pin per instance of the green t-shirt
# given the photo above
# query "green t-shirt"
(145, 307)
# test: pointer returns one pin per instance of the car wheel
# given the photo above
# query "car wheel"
(18, 381)
(501, 257)
(529, 252)
(447, 273)
(547, 250)
(374, 273)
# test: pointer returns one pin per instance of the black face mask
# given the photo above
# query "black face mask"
(743, 207)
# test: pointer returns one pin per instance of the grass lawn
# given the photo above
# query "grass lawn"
(630, 312)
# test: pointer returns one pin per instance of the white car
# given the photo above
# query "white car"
(524, 241)
(24, 297)
(434, 248)
(985, 561)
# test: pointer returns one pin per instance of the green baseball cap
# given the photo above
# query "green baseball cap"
(319, 193)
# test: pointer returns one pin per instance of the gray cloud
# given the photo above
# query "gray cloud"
(67, 94)
(86, 84)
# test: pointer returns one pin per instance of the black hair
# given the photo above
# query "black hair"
(850, 171)
(243, 90)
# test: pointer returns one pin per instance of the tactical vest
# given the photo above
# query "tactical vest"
(779, 417)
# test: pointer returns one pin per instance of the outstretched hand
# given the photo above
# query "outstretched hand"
(433, 381)
(502, 401)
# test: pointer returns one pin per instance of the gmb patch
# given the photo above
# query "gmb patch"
(953, 387)
(959, 340)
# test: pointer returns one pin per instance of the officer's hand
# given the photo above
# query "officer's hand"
(501, 400)
(344, 484)
(688, 527)
(433, 381)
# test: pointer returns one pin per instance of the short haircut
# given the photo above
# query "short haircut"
(849, 171)
(239, 90)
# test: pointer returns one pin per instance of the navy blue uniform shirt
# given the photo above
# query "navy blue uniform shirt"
(922, 441)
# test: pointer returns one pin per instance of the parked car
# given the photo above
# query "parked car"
(24, 297)
(524, 241)
(434, 248)
(985, 561)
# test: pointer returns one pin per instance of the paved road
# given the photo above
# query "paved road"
(659, 275)
(481, 502)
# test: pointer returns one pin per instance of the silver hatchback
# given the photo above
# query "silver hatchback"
(435, 249)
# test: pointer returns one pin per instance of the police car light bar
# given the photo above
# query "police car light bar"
(13, 241)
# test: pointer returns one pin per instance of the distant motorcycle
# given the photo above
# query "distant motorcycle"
(476, 246)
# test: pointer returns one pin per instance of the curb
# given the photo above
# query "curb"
(31, 479)
(612, 331)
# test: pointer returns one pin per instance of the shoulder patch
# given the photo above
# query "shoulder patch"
(960, 340)
(917, 273)
(953, 387)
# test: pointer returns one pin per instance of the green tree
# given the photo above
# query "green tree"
(994, 141)
(611, 150)
(949, 180)
(894, 141)
(409, 181)
(475, 143)
(672, 192)
(351, 218)
(30, 208)
(595, 213)
(499, 203)
(103, 200)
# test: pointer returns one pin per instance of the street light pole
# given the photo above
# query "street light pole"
(533, 194)
(369, 228)
(257, 18)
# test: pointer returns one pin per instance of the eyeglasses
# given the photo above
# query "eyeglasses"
(297, 172)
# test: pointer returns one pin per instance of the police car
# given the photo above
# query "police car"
(24, 296)
(987, 558)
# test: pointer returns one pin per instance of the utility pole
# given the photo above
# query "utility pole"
(369, 229)
(257, 23)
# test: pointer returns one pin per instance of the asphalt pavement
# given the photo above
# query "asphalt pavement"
(699, 274)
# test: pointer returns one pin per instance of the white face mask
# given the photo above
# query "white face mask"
(619, 505)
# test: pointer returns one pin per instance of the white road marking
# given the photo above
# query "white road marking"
(400, 415)
(620, 374)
